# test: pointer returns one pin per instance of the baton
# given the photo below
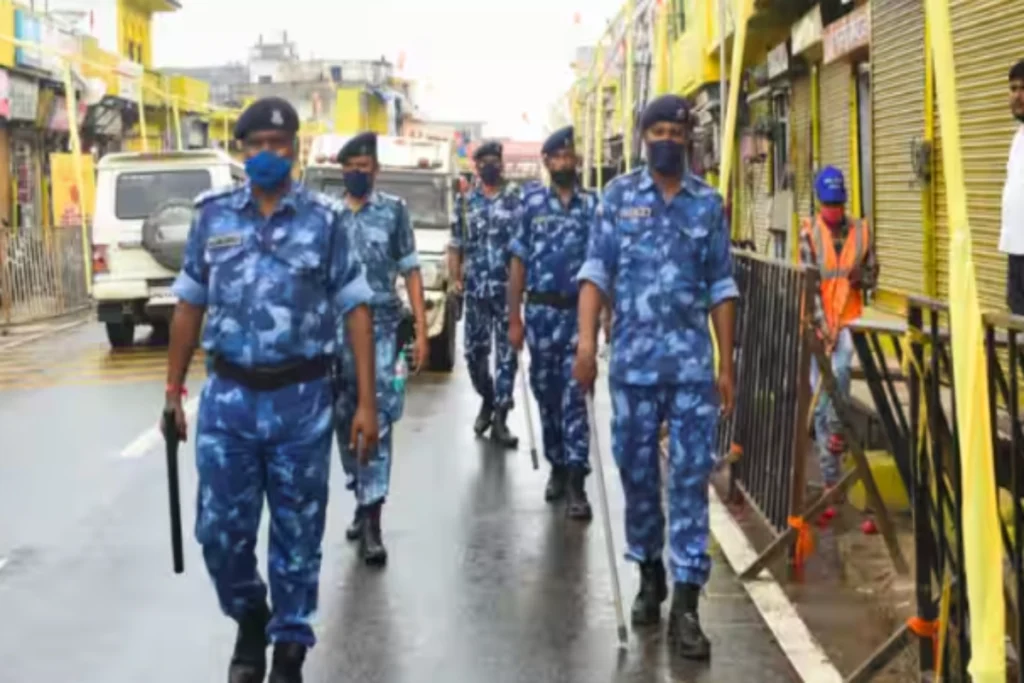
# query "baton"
(529, 415)
(172, 437)
(598, 464)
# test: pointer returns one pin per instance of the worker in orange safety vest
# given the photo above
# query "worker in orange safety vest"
(840, 247)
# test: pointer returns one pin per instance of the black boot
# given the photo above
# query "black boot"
(578, 506)
(354, 531)
(484, 418)
(684, 629)
(500, 432)
(555, 490)
(372, 543)
(653, 591)
(288, 659)
(249, 662)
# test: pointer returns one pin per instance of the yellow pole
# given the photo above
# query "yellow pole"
(931, 270)
(815, 127)
(76, 162)
(627, 127)
(143, 128)
(983, 548)
(227, 137)
(855, 184)
(587, 135)
(177, 122)
(599, 123)
(744, 10)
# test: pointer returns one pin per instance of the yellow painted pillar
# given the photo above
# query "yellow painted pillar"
(627, 124)
(856, 192)
(928, 198)
(599, 122)
(815, 128)
(76, 160)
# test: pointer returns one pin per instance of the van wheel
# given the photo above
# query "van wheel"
(121, 334)
(442, 348)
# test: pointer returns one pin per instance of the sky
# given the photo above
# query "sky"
(478, 60)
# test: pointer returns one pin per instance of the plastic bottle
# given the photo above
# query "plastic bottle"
(401, 372)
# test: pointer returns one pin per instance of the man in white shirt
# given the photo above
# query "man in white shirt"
(1011, 240)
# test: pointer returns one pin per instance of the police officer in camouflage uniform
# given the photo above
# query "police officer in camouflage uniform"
(482, 229)
(274, 272)
(659, 252)
(548, 250)
(378, 226)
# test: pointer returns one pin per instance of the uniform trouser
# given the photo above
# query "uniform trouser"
(371, 482)
(691, 411)
(487, 325)
(826, 422)
(563, 411)
(251, 445)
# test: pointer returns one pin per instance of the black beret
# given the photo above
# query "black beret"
(667, 108)
(362, 145)
(489, 148)
(267, 114)
(560, 139)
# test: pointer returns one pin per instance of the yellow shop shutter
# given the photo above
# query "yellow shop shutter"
(835, 117)
(801, 155)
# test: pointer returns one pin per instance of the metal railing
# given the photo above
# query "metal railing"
(42, 274)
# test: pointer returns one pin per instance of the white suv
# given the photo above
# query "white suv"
(141, 220)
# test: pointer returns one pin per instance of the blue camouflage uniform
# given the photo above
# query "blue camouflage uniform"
(482, 229)
(274, 290)
(663, 266)
(382, 235)
(551, 241)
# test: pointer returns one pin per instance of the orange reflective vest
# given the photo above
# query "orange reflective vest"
(841, 303)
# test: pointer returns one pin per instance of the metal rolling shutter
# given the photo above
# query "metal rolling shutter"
(801, 155)
(835, 117)
(762, 201)
(897, 73)
(986, 34)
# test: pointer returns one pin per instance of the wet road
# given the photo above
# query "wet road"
(487, 584)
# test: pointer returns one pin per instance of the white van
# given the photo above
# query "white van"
(133, 268)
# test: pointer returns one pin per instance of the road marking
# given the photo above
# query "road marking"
(45, 333)
(151, 438)
(791, 633)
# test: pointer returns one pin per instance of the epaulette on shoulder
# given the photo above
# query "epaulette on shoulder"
(215, 194)
(624, 181)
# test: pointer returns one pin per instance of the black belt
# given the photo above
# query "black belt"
(272, 378)
(552, 299)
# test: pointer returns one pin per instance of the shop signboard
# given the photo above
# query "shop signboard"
(807, 31)
(129, 80)
(5, 94)
(778, 61)
(58, 46)
(69, 200)
(850, 33)
(24, 98)
(28, 29)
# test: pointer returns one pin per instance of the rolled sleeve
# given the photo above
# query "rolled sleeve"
(719, 277)
(404, 240)
(346, 274)
(408, 263)
(191, 284)
(602, 248)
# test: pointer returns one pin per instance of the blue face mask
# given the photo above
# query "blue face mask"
(490, 174)
(268, 171)
(357, 183)
(666, 157)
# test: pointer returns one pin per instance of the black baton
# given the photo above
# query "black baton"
(172, 438)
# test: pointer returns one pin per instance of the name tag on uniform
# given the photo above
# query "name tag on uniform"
(635, 212)
(223, 241)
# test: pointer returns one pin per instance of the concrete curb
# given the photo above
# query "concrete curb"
(795, 640)
(57, 329)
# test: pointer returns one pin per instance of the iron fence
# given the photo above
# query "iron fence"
(42, 274)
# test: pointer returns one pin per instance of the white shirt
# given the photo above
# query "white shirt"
(1011, 239)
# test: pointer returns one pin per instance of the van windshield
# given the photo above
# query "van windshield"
(427, 204)
(139, 194)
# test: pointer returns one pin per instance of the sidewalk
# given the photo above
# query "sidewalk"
(17, 335)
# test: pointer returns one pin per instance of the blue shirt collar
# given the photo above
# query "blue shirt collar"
(646, 182)
(290, 200)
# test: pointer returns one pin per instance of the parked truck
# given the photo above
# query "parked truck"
(424, 174)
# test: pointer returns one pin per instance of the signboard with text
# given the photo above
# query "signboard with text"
(28, 29)
(850, 33)
(778, 61)
(807, 31)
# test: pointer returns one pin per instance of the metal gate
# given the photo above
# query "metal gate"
(897, 73)
(42, 274)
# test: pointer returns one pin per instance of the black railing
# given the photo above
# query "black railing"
(765, 439)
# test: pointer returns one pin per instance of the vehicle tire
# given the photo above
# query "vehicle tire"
(121, 334)
(442, 348)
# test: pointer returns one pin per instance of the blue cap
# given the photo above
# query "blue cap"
(362, 145)
(667, 108)
(559, 140)
(830, 186)
(267, 114)
(489, 148)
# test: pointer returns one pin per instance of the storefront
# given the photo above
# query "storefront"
(805, 40)
(26, 142)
